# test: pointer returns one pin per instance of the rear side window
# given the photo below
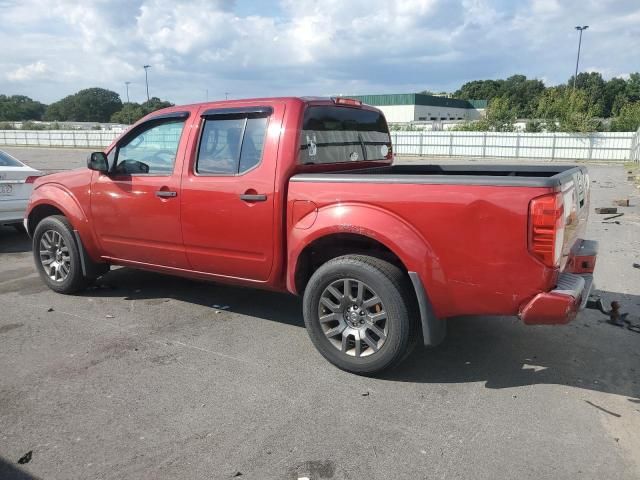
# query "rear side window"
(231, 145)
(7, 160)
(332, 134)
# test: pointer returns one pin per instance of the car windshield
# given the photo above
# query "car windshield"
(7, 160)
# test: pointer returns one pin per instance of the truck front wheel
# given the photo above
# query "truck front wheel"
(359, 314)
(57, 256)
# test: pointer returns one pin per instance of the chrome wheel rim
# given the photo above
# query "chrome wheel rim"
(353, 317)
(54, 256)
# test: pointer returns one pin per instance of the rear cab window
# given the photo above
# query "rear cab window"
(340, 134)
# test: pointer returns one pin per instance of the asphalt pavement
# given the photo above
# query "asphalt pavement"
(152, 377)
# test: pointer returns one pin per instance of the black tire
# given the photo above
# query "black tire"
(388, 283)
(74, 280)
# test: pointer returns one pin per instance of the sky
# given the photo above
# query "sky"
(209, 49)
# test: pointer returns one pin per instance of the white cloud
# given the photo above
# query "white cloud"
(28, 72)
(302, 46)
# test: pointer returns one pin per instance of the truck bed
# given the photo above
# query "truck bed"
(507, 175)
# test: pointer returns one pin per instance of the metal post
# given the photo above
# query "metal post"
(451, 144)
(146, 78)
(421, 151)
(590, 146)
(518, 145)
(553, 147)
(580, 29)
(484, 144)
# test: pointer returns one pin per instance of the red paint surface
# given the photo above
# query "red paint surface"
(469, 244)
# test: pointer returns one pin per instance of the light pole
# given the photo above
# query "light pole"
(580, 29)
(146, 78)
(128, 102)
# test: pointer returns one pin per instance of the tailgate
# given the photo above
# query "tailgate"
(575, 195)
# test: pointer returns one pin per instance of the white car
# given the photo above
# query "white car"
(16, 183)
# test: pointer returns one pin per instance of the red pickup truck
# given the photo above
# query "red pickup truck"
(301, 195)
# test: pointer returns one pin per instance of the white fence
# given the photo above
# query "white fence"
(58, 138)
(606, 146)
(635, 147)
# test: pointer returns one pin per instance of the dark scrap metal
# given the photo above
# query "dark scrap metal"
(606, 210)
(614, 216)
(616, 317)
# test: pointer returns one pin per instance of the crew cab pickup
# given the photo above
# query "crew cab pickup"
(302, 195)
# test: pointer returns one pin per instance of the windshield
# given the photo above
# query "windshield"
(7, 160)
(333, 134)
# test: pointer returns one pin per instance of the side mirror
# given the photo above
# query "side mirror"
(98, 161)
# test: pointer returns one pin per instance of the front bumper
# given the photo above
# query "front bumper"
(561, 305)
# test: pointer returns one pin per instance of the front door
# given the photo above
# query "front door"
(136, 207)
(228, 192)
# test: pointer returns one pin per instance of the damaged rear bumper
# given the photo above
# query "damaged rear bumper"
(561, 305)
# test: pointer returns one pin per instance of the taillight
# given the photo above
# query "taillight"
(546, 228)
(31, 179)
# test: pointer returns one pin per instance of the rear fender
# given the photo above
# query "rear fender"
(378, 224)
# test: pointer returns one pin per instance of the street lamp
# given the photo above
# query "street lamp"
(146, 78)
(580, 29)
(128, 103)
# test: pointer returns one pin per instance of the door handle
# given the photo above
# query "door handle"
(253, 197)
(166, 194)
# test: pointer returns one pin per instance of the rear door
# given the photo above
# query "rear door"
(228, 191)
(136, 207)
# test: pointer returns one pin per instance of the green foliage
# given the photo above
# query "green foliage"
(628, 120)
(521, 93)
(89, 105)
(567, 110)
(132, 112)
(33, 126)
(499, 117)
(18, 108)
(6, 126)
(534, 126)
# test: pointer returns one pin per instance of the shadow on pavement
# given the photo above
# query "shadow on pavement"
(9, 471)
(499, 351)
(13, 241)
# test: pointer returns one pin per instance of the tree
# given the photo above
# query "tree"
(89, 105)
(132, 112)
(614, 96)
(566, 110)
(19, 108)
(592, 84)
(628, 120)
(500, 116)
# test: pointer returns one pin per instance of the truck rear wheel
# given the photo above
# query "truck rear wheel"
(57, 256)
(358, 313)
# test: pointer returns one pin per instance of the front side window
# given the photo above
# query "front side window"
(152, 151)
(333, 134)
(230, 146)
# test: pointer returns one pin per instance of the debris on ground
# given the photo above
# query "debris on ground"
(616, 317)
(614, 216)
(109, 316)
(636, 265)
(622, 203)
(603, 409)
(26, 458)
(606, 210)
(50, 309)
(365, 394)
(221, 307)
